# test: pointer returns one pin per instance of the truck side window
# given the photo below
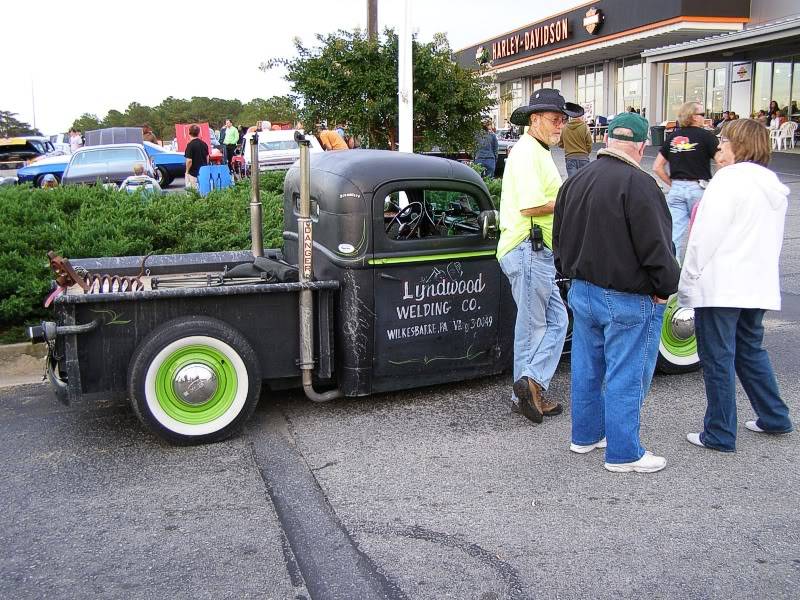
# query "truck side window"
(426, 213)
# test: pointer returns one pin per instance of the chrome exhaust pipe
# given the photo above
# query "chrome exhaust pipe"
(256, 215)
(305, 253)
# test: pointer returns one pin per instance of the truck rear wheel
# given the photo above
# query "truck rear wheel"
(194, 380)
(677, 349)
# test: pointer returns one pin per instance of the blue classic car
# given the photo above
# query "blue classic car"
(166, 165)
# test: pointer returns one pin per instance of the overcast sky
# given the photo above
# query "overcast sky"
(67, 58)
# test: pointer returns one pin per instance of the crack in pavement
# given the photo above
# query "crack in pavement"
(329, 560)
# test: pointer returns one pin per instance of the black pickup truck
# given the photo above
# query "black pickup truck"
(387, 280)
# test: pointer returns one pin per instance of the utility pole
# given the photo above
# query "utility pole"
(372, 19)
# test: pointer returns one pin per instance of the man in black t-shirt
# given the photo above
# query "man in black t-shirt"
(688, 150)
(196, 155)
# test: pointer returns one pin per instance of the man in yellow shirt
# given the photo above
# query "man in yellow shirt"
(530, 184)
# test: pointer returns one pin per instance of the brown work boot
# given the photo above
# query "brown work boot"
(532, 402)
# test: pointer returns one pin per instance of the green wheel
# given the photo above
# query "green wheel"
(677, 349)
(194, 380)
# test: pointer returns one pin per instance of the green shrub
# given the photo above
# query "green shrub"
(84, 222)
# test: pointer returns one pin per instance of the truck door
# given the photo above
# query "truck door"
(437, 285)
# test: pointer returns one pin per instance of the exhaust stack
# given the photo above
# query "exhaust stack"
(305, 240)
(256, 215)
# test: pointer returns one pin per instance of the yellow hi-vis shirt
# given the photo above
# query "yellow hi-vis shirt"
(530, 179)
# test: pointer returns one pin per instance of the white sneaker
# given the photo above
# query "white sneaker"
(649, 463)
(584, 449)
(751, 425)
(694, 438)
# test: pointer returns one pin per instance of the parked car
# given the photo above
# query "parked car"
(506, 138)
(60, 142)
(107, 163)
(166, 165)
(49, 165)
(276, 149)
(18, 152)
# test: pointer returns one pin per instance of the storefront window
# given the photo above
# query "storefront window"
(779, 81)
(699, 82)
(510, 98)
(761, 86)
(590, 89)
(781, 74)
(630, 83)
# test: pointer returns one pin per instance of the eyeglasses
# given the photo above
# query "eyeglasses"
(556, 121)
(702, 114)
(723, 140)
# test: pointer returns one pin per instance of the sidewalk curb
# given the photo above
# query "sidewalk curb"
(9, 352)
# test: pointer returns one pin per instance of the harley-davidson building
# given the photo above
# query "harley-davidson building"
(651, 55)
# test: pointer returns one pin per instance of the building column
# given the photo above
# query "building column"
(610, 80)
(568, 87)
(653, 93)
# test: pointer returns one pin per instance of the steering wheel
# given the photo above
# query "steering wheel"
(406, 229)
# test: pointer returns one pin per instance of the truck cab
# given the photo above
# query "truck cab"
(422, 298)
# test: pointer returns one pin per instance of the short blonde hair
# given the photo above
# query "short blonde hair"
(749, 141)
(686, 112)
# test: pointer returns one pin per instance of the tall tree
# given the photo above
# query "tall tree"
(350, 79)
(11, 126)
(278, 109)
(87, 122)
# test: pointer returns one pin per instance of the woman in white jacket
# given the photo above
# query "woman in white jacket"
(730, 277)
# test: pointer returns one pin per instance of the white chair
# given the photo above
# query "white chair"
(786, 135)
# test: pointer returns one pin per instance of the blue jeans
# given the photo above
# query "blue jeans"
(729, 342)
(615, 339)
(488, 165)
(682, 197)
(541, 325)
(575, 164)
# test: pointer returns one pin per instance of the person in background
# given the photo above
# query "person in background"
(530, 184)
(726, 115)
(731, 278)
(773, 110)
(576, 140)
(196, 155)
(340, 130)
(486, 149)
(148, 135)
(49, 181)
(762, 118)
(330, 140)
(688, 152)
(221, 137)
(140, 181)
(75, 140)
(615, 210)
(230, 141)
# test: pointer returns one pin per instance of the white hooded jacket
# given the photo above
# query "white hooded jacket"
(735, 243)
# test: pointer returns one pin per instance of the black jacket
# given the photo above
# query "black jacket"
(612, 228)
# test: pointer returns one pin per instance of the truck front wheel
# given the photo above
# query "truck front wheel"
(194, 380)
(677, 349)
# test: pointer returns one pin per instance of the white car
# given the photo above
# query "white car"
(277, 149)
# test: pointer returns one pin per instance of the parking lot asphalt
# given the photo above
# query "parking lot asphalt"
(431, 493)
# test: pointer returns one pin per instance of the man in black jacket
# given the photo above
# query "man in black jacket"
(612, 238)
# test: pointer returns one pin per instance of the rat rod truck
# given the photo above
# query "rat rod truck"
(387, 280)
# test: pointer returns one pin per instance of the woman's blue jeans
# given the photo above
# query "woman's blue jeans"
(729, 342)
(682, 197)
(614, 349)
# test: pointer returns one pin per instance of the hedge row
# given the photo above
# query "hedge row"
(84, 222)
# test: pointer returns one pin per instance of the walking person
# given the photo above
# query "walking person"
(486, 149)
(576, 140)
(196, 155)
(229, 141)
(688, 152)
(75, 140)
(731, 278)
(530, 185)
(612, 237)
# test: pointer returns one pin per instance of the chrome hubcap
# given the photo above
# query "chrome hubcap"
(682, 323)
(195, 383)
